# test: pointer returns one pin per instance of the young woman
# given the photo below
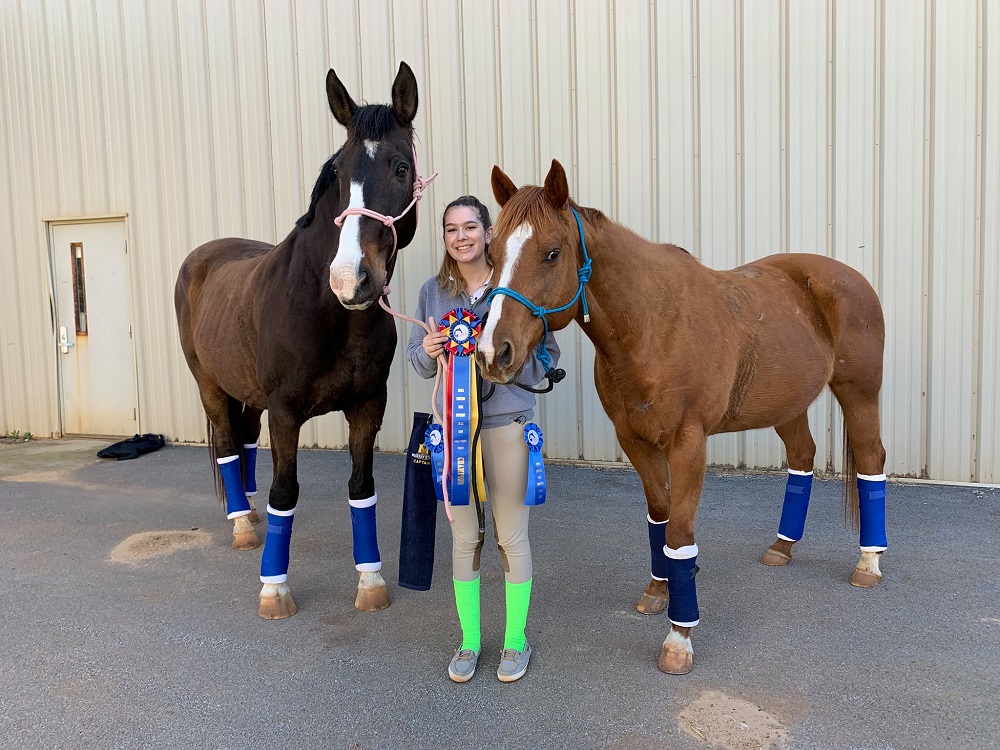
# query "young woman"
(465, 279)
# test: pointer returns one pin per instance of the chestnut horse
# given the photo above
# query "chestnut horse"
(292, 329)
(684, 352)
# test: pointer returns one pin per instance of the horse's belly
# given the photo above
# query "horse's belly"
(785, 381)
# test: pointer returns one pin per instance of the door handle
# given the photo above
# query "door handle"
(64, 342)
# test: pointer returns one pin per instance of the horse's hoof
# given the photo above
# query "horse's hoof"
(276, 602)
(778, 554)
(654, 598)
(867, 573)
(677, 654)
(244, 535)
(372, 592)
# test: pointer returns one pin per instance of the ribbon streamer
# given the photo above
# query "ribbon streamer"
(457, 465)
(535, 492)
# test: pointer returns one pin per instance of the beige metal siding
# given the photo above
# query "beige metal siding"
(867, 130)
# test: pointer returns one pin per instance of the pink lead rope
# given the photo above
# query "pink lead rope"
(437, 383)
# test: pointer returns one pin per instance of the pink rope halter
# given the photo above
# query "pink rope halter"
(390, 221)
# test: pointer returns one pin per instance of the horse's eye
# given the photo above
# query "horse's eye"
(552, 255)
(402, 170)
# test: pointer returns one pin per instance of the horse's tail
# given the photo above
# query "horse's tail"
(852, 507)
(236, 423)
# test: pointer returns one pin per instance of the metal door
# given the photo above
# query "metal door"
(94, 328)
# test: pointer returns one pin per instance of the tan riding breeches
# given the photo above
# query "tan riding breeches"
(505, 459)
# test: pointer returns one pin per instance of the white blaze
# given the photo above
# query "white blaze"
(344, 268)
(371, 147)
(515, 244)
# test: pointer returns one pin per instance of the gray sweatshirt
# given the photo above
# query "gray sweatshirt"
(508, 402)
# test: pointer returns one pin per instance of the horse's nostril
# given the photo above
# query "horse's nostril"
(505, 355)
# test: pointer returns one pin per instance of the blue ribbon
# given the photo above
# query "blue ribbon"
(434, 440)
(535, 492)
(461, 469)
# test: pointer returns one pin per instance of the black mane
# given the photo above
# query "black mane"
(327, 177)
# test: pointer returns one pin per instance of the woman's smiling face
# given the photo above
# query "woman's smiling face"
(464, 236)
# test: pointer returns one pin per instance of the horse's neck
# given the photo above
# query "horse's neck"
(630, 288)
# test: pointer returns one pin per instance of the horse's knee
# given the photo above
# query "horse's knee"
(283, 495)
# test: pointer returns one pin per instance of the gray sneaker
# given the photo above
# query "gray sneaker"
(463, 665)
(513, 663)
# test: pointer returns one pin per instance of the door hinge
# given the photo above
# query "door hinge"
(125, 243)
(134, 416)
(130, 331)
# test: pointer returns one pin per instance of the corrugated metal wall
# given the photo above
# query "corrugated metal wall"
(864, 129)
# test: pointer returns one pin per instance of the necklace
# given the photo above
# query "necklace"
(485, 281)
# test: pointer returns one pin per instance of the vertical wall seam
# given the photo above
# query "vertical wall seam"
(209, 110)
(878, 193)
(462, 83)
(535, 95)
(267, 104)
(831, 196)
(928, 244)
(498, 68)
(240, 130)
(742, 438)
(654, 142)
(696, 122)
(77, 114)
(613, 133)
(980, 249)
(784, 126)
(174, 92)
(578, 335)
(613, 109)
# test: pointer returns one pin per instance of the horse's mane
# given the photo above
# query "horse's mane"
(327, 177)
(372, 122)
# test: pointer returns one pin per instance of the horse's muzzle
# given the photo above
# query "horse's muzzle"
(356, 291)
(497, 368)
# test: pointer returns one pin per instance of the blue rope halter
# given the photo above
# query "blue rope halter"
(541, 312)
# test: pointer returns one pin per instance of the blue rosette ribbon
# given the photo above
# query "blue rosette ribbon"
(434, 441)
(535, 492)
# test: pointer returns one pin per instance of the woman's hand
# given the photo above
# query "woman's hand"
(434, 342)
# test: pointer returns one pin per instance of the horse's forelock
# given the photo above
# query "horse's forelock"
(374, 122)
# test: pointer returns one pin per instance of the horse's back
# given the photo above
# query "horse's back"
(848, 302)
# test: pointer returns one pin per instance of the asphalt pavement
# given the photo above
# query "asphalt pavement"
(159, 645)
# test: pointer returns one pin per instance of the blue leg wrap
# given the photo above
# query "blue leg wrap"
(682, 564)
(871, 496)
(274, 561)
(236, 499)
(250, 458)
(657, 537)
(793, 512)
(366, 556)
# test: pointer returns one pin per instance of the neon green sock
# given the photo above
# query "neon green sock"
(518, 597)
(467, 604)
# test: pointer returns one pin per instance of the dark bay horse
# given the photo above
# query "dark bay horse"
(292, 329)
(684, 352)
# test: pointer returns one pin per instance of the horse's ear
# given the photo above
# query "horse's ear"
(556, 187)
(503, 187)
(341, 103)
(404, 95)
